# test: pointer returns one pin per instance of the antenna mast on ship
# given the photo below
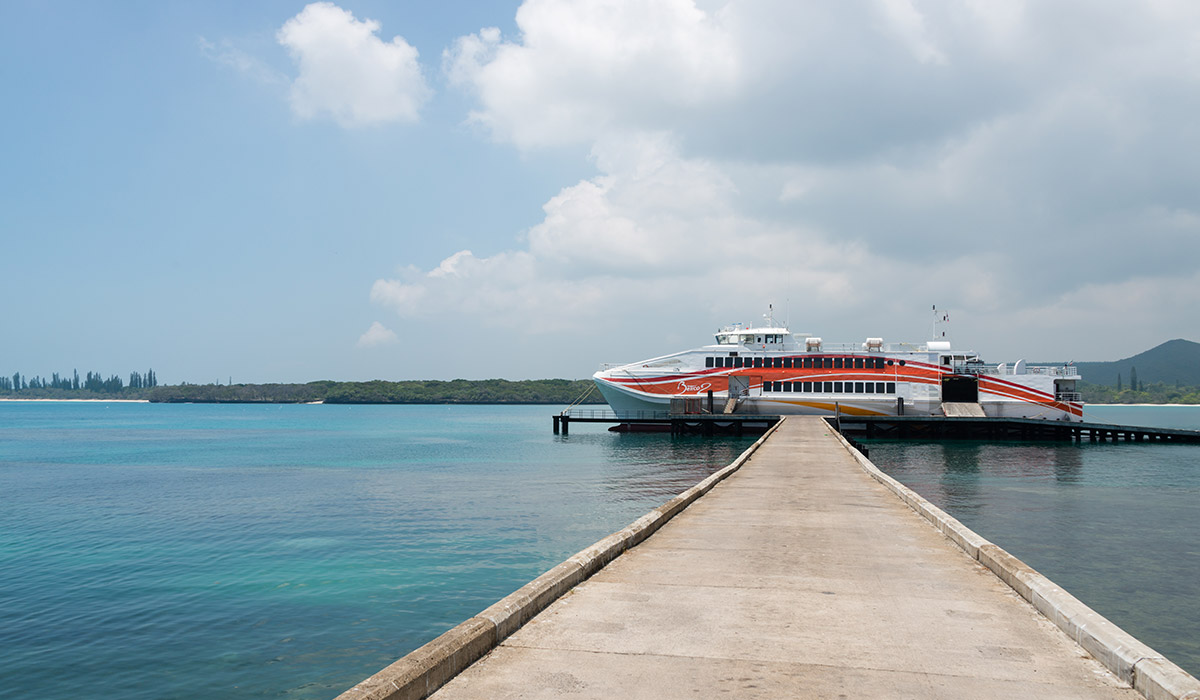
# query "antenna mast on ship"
(941, 324)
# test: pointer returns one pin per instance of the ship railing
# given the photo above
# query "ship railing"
(609, 414)
(974, 368)
(1073, 396)
(858, 349)
(980, 368)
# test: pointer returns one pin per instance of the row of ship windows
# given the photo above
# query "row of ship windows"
(832, 387)
(797, 363)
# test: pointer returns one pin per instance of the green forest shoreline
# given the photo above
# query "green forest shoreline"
(485, 391)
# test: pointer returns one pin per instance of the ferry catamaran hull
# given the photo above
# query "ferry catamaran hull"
(767, 370)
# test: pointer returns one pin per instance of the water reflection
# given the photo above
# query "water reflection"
(960, 480)
(1068, 463)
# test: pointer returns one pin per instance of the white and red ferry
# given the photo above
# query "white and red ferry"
(769, 370)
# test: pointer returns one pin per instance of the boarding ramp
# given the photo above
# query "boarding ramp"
(955, 409)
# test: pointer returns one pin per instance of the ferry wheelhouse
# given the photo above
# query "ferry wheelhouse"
(769, 370)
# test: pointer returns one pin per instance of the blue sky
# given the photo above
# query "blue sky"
(285, 192)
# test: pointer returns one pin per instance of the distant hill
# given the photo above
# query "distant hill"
(1173, 361)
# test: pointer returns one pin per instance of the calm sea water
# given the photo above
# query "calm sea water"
(193, 551)
(1117, 525)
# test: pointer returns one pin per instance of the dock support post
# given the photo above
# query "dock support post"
(566, 421)
(555, 425)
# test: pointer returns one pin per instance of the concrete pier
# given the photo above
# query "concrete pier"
(799, 576)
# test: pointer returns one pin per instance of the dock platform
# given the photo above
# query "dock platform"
(799, 575)
(963, 427)
(967, 428)
(666, 421)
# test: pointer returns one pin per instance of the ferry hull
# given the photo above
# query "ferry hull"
(635, 402)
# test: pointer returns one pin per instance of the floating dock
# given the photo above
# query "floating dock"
(666, 421)
(798, 571)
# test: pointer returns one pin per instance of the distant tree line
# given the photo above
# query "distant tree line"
(144, 385)
(1154, 392)
(1134, 384)
(62, 386)
(535, 391)
(487, 391)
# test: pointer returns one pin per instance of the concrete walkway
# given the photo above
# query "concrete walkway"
(799, 576)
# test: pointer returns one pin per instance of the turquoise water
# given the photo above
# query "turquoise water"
(1117, 525)
(200, 551)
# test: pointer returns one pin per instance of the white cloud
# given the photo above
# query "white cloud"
(582, 66)
(396, 294)
(654, 227)
(909, 24)
(226, 54)
(1024, 165)
(347, 72)
(378, 334)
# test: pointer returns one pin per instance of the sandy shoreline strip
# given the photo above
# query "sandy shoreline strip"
(1139, 404)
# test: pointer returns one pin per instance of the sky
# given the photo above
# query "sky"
(284, 192)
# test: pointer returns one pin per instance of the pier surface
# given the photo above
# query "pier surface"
(798, 576)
